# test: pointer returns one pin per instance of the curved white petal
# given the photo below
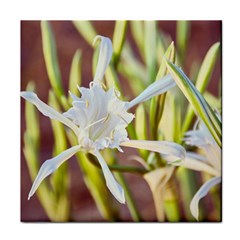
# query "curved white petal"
(104, 57)
(213, 154)
(171, 150)
(158, 87)
(48, 111)
(202, 192)
(198, 163)
(112, 184)
(49, 166)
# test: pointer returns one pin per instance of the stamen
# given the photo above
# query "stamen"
(122, 118)
(112, 134)
(87, 103)
(98, 121)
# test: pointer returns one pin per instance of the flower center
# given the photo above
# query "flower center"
(101, 117)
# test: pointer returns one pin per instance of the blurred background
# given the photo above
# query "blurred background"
(202, 34)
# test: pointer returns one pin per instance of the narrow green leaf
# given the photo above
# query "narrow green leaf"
(169, 54)
(188, 186)
(182, 37)
(118, 40)
(129, 198)
(60, 178)
(31, 153)
(75, 73)
(60, 141)
(201, 107)
(157, 103)
(141, 127)
(207, 67)
(133, 70)
(112, 78)
(86, 29)
(32, 120)
(203, 78)
(212, 100)
(150, 48)
(141, 123)
(170, 124)
(138, 35)
(51, 60)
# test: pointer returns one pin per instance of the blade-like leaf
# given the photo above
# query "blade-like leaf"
(31, 154)
(138, 35)
(86, 29)
(203, 78)
(112, 78)
(141, 126)
(60, 178)
(199, 104)
(133, 70)
(75, 73)
(118, 40)
(182, 37)
(150, 48)
(32, 121)
(51, 61)
(157, 103)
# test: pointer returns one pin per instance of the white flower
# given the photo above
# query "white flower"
(210, 162)
(99, 120)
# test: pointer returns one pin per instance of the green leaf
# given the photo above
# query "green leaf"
(112, 78)
(169, 54)
(138, 35)
(118, 40)
(203, 78)
(51, 61)
(31, 154)
(141, 126)
(59, 179)
(32, 120)
(212, 100)
(86, 29)
(150, 48)
(133, 70)
(75, 73)
(60, 141)
(157, 103)
(182, 37)
(199, 104)
(170, 124)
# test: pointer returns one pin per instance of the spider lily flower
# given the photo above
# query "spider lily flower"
(99, 120)
(210, 162)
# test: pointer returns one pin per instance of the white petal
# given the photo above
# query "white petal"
(112, 184)
(173, 150)
(104, 57)
(48, 111)
(213, 154)
(198, 163)
(49, 166)
(202, 192)
(156, 88)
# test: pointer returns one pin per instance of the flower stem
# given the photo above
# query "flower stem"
(119, 168)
